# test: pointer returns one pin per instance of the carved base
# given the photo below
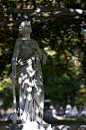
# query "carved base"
(30, 126)
(15, 127)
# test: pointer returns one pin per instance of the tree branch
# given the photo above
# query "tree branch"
(47, 9)
(57, 11)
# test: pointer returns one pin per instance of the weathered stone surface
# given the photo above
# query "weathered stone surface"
(15, 127)
(30, 126)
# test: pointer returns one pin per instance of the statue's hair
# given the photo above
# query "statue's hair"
(21, 26)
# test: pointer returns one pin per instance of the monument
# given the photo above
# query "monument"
(27, 74)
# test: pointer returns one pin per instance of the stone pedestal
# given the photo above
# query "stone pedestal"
(15, 127)
(30, 126)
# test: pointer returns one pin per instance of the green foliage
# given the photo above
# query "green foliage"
(6, 92)
(62, 39)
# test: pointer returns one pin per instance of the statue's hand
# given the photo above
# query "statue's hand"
(14, 74)
(14, 117)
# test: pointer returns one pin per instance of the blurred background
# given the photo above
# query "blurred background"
(59, 26)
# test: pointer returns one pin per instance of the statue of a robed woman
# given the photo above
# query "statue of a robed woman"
(27, 74)
(26, 69)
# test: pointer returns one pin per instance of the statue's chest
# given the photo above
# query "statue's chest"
(26, 47)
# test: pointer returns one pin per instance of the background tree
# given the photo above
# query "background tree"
(59, 28)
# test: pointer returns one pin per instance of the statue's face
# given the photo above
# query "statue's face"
(27, 29)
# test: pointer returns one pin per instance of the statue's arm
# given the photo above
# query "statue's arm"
(42, 54)
(39, 52)
(15, 56)
(44, 57)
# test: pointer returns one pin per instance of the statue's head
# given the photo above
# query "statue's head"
(25, 27)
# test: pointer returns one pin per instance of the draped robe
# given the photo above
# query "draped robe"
(29, 78)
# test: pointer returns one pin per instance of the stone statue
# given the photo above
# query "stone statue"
(27, 73)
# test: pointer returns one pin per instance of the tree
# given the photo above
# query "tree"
(58, 27)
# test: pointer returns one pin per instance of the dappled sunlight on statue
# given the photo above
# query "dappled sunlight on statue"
(27, 73)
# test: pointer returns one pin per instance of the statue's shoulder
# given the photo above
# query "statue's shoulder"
(34, 41)
(18, 40)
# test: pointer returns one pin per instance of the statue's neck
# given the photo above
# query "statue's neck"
(26, 37)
